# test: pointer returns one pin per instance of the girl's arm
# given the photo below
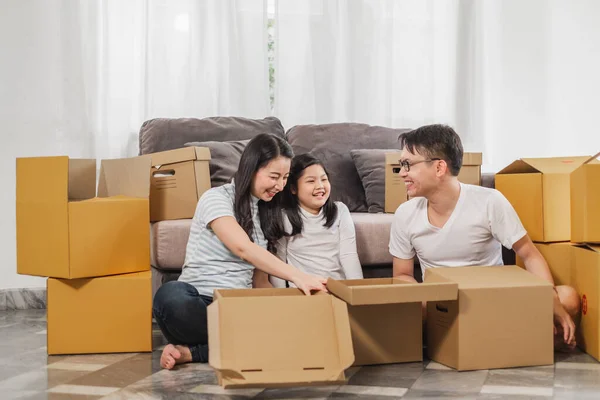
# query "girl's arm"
(236, 240)
(260, 280)
(348, 255)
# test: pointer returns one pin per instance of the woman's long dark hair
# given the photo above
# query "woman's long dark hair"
(291, 203)
(259, 151)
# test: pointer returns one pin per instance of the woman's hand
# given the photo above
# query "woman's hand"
(308, 283)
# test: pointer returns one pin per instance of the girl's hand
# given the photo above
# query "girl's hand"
(308, 283)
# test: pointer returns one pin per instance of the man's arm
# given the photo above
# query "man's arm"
(404, 269)
(537, 265)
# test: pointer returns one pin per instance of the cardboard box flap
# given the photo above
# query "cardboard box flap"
(276, 337)
(390, 291)
(43, 178)
(593, 159)
(82, 179)
(180, 155)
(552, 165)
(472, 159)
(588, 246)
(392, 158)
(125, 176)
(487, 277)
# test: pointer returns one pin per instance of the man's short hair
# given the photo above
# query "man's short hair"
(435, 141)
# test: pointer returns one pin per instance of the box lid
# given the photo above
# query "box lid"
(472, 159)
(486, 277)
(552, 165)
(180, 155)
(390, 290)
(588, 246)
(278, 337)
(125, 176)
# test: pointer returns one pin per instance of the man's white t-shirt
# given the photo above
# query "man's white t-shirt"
(482, 221)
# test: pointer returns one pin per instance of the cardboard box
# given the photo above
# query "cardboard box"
(278, 338)
(539, 191)
(65, 231)
(585, 202)
(100, 315)
(470, 173)
(395, 190)
(503, 318)
(586, 281)
(386, 316)
(178, 179)
(559, 259)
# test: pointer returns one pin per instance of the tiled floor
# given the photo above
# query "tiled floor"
(26, 372)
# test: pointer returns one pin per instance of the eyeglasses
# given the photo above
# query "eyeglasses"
(406, 165)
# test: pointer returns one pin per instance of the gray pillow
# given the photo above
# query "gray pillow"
(370, 165)
(224, 159)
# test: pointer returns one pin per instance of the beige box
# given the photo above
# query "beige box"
(178, 179)
(386, 316)
(585, 202)
(395, 190)
(539, 190)
(586, 281)
(503, 318)
(100, 315)
(278, 338)
(65, 230)
(559, 258)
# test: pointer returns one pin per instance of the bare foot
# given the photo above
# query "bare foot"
(173, 355)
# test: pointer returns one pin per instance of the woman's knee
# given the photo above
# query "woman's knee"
(569, 299)
(171, 296)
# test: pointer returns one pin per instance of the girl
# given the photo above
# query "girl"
(235, 229)
(320, 237)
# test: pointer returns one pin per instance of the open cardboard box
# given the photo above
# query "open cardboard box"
(539, 190)
(503, 318)
(386, 316)
(278, 338)
(178, 178)
(65, 230)
(585, 202)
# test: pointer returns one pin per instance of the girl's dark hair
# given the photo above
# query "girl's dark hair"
(259, 151)
(291, 203)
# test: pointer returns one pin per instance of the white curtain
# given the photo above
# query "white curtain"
(78, 78)
(514, 78)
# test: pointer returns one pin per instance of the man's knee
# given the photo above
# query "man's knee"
(569, 299)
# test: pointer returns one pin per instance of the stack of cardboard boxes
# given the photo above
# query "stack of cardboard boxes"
(558, 202)
(93, 246)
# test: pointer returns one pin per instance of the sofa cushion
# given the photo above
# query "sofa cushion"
(370, 165)
(332, 143)
(224, 159)
(169, 240)
(162, 134)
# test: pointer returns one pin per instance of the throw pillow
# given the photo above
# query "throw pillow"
(224, 159)
(370, 165)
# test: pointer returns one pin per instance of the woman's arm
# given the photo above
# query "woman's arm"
(236, 240)
(348, 255)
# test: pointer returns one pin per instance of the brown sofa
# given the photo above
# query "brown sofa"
(332, 143)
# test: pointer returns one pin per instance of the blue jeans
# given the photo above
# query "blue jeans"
(181, 315)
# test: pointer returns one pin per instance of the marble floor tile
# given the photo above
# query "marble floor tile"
(451, 381)
(2, 300)
(576, 356)
(576, 394)
(577, 379)
(372, 391)
(392, 375)
(83, 390)
(416, 394)
(307, 392)
(185, 379)
(533, 377)
(119, 374)
(518, 390)
(237, 393)
(39, 379)
(578, 365)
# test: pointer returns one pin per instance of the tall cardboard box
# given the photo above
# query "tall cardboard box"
(100, 315)
(503, 318)
(178, 179)
(559, 258)
(586, 281)
(395, 190)
(539, 191)
(65, 230)
(278, 338)
(386, 316)
(585, 202)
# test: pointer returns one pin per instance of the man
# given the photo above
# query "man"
(450, 224)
